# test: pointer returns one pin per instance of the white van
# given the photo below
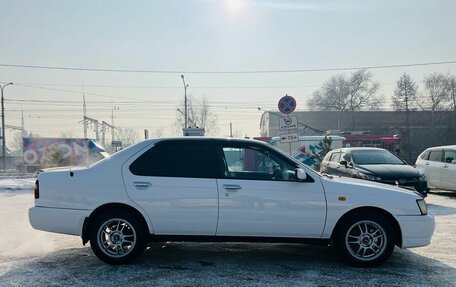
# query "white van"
(439, 166)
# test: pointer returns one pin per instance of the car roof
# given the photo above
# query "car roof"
(357, 148)
(442, 147)
(201, 138)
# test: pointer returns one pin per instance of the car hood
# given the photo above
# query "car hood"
(362, 184)
(389, 171)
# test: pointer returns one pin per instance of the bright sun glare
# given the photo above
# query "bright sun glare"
(235, 6)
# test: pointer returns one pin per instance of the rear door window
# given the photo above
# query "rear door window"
(449, 156)
(176, 159)
(436, 155)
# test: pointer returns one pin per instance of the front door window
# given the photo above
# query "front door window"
(254, 163)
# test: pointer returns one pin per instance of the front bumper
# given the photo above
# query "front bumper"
(416, 230)
(58, 220)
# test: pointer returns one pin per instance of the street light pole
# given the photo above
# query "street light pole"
(3, 126)
(185, 102)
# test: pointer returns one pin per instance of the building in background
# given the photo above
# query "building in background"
(380, 128)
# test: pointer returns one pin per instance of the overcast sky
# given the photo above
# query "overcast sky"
(204, 35)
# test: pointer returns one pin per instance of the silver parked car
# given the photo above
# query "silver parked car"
(439, 165)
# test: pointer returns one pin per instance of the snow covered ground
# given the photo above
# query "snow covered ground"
(34, 258)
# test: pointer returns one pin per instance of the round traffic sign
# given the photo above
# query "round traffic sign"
(287, 104)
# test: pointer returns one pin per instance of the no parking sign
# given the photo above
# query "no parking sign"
(287, 104)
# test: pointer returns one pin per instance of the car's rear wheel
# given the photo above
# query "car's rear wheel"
(117, 237)
(365, 239)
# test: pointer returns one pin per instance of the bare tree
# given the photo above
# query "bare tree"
(16, 141)
(158, 133)
(435, 97)
(352, 94)
(404, 98)
(199, 115)
(452, 83)
(128, 136)
(67, 134)
(437, 92)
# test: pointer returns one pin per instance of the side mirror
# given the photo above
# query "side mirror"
(301, 174)
(344, 163)
(453, 161)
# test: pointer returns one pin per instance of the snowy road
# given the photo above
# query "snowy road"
(29, 257)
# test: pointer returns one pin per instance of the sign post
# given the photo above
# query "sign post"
(287, 105)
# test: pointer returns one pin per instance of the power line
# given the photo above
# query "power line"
(226, 72)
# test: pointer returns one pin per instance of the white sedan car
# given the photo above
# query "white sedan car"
(439, 166)
(208, 189)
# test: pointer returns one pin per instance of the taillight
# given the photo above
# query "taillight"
(37, 190)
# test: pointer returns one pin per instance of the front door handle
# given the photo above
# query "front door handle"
(231, 186)
(445, 166)
(143, 184)
(427, 163)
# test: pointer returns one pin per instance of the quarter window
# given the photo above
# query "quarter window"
(436, 155)
(254, 163)
(175, 159)
(425, 155)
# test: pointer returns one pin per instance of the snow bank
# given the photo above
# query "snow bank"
(17, 183)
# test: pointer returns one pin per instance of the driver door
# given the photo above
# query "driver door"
(259, 195)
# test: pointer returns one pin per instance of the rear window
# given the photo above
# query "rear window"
(327, 157)
(436, 155)
(335, 157)
(175, 159)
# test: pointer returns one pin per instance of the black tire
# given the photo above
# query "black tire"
(365, 239)
(117, 236)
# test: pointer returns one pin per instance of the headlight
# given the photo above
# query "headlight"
(369, 177)
(422, 205)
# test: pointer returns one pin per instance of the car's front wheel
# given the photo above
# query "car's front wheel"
(365, 239)
(117, 237)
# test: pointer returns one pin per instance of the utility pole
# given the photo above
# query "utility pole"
(23, 133)
(3, 126)
(104, 128)
(407, 116)
(96, 125)
(112, 121)
(231, 130)
(185, 101)
(84, 111)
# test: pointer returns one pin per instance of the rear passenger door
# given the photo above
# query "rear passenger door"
(174, 182)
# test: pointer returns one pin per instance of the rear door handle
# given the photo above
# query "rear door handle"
(231, 186)
(143, 184)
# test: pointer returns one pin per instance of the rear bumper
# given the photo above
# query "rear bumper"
(416, 230)
(58, 220)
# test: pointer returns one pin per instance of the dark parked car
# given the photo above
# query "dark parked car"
(374, 164)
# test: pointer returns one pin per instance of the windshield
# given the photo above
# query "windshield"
(375, 157)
